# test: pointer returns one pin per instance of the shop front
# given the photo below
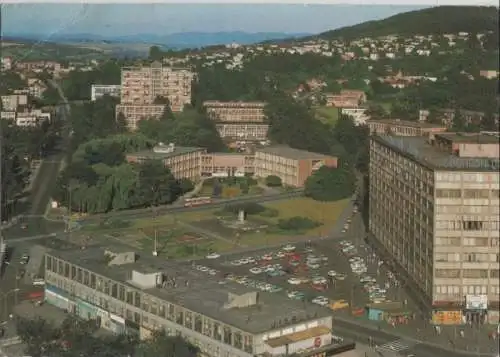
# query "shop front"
(476, 309)
(447, 317)
(58, 298)
(85, 310)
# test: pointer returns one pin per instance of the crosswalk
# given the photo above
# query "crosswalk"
(395, 346)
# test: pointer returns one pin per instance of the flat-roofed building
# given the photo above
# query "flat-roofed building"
(133, 114)
(99, 90)
(227, 164)
(293, 166)
(184, 162)
(242, 132)
(404, 127)
(126, 292)
(346, 99)
(13, 101)
(434, 209)
(142, 85)
(235, 112)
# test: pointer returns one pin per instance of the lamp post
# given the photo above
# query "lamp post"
(3, 297)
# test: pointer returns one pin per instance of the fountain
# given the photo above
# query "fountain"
(241, 216)
(241, 223)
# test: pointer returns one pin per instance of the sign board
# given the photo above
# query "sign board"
(476, 302)
(440, 317)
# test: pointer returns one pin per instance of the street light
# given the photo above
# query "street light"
(4, 297)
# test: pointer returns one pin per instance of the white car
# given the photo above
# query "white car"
(255, 270)
(319, 280)
(321, 300)
(294, 281)
(267, 257)
(236, 262)
(292, 294)
(39, 282)
(244, 261)
(332, 273)
(280, 255)
(289, 248)
(251, 260)
(212, 272)
(213, 256)
(340, 277)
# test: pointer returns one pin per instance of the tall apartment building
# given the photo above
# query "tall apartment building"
(293, 166)
(135, 113)
(184, 162)
(434, 208)
(238, 122)
(235, 112)
(140, 86)
(127, 293)
(404, 127)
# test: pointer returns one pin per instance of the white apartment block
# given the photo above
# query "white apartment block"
(99, 90)
(13, 101)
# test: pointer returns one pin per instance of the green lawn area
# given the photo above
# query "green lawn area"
(328, 115)
(171, 244)
(228, 191)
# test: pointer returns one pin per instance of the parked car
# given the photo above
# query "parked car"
(25, 259)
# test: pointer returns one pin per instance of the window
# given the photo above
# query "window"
(448, 273)
(448, 193)
(137, 300)
(472, 225)
(476, 194)
(238, 340)
(114, 290)
(188, 321)
(121, 293)
(495, 273)
(179, 318)
(198, 324)
(475, 273)
(130, 297)
(227, 335)
(48, 263)
(476, 242)
(73, 272)
(79, 275)
(86, 278)
(60, 267)
(217, 331)
(92, 281)
(448, 241)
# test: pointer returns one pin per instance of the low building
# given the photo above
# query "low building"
(489, 74)
(404, 127)
(293, 166)
(126, 293)
(135, 113)
(346, 99)
(358, 115)
(239, 132)
(235, 112)
(32, 118)
(99, 90)
(227, 164)
(13, 101)
(184, 162)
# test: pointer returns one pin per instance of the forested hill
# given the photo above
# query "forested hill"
(435, 20)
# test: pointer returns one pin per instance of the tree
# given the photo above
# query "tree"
(157, 185)
(273, 181)
(459, 124)
(330, 184)
(160, 344)
(155, 54)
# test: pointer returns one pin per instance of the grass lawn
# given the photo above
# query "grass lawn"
(328, 115)
(171, 243)
(228, 191)
(325, 213)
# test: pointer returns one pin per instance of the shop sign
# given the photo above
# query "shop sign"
(447, 318)
(476, 302)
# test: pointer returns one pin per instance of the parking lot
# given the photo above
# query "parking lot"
(341, 274)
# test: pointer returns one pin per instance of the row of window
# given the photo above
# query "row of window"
(469, 223)
(466, 273)
(467, 177)
(466, 290)
(458, 209)
(468, 257)
(467, 193)
(136, 298)
(468, 242)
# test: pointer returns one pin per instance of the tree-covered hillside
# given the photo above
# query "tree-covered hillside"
(435, 20)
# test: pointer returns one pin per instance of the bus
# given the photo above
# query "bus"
(197, 201)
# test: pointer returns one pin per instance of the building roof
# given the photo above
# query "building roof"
(291, 153)
(470, 138)
(412, 124)
(204, 294)
(157, 155)
(420, 150)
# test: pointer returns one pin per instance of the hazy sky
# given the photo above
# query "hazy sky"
(128, 19)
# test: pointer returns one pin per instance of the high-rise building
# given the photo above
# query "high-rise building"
(141, 86)
(434, 210)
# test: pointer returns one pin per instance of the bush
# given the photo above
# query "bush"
(297, 223)
(270, 213)
(249, 208)
(273, 181)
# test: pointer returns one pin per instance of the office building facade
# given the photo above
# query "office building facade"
(293, 166)
(235, 112)
(434, 209)
(99, 90)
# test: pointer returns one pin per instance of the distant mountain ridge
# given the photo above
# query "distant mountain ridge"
(434, 20)
(176, 40)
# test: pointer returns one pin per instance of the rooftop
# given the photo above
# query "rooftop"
(158, 154)
(470, 138)
(409, 123)
(204, 294)
(420, 150)
(291, 153)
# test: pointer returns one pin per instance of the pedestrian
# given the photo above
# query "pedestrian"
(462, 333)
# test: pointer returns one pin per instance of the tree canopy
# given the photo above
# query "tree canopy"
(330, 184)
(78, 338)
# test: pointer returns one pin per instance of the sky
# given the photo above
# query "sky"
(154, 18)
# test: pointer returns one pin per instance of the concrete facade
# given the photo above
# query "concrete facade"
(404, 127)
(436, 211)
